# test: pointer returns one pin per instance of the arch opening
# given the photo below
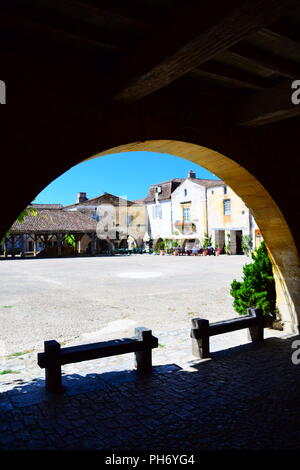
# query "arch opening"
(268, 216)
(271, 221)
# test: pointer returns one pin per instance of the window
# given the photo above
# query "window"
(185, 192)
(157, 212)
(225, 189)
(186, 214)
(227, 206)
(129, 219)
(95, 216)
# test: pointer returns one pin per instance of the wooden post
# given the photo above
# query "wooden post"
(200, 338)
(5, 248)
(93, 244)
(35, 239)
(12, 246)
(53, 370)
(22, 243)
(59, 243)
(256, 333)
(143, 359)
(78, 245)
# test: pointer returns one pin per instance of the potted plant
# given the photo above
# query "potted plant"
(227, 247)
(162, 248)
(175, 247)
(206, 243)
(218, 249)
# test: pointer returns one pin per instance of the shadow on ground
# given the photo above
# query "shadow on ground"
(243, 398)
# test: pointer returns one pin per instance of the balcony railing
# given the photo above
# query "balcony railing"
(185, 227)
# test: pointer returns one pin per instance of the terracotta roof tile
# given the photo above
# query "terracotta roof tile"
(55, 221)
(46, 206)
(167, 187)
(105, 197)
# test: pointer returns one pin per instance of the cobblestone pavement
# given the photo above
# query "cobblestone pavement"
(245, 397)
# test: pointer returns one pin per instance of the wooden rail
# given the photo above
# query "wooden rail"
(54, 357)
(202, 330)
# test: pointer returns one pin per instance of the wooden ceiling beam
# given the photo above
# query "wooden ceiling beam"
(278, 41)
(191, 37)
(274, 63)
(92, 14)
(233, 76)
(274, 104)
(80, 37)
(286, 29)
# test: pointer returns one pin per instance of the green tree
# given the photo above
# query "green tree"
(70, 239)
(257, 289)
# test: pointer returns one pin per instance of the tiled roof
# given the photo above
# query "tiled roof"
(139, 201)
(207, 183)
(46, 206)
(105, 197)
(55, 221)
(167, 187)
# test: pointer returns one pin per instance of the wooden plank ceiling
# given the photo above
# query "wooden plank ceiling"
(247, 51)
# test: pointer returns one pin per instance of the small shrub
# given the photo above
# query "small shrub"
(257, 290)
(167, 244)
(206, 241)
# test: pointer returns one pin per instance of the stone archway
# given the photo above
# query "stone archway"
(207, 147)
(271, 221)
(123, 243)
(156, 243)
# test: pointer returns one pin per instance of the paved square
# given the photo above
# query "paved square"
(102, 297)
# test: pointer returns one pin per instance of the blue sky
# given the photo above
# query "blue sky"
(123, 174)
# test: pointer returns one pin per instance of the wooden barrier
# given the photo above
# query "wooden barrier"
(202, 330)
(54, 357)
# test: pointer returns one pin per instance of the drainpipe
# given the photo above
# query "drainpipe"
(206, 212)
(251, 229)
(171, 217)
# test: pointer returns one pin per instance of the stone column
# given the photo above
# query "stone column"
(233, 242)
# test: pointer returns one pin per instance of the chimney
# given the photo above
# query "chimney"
(81, 197)
(191, 174)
